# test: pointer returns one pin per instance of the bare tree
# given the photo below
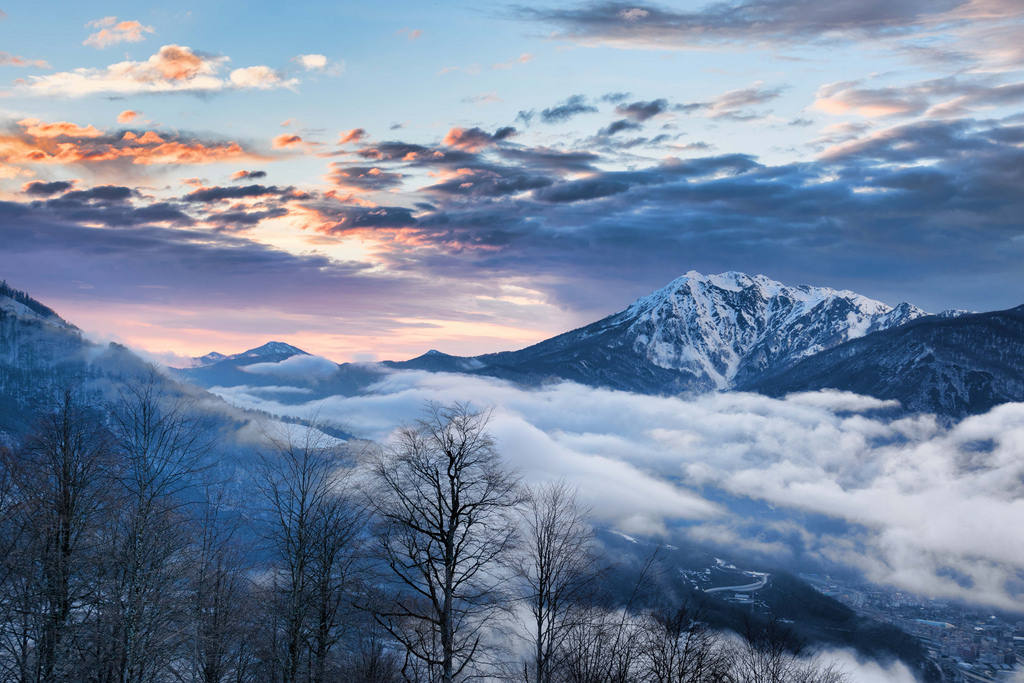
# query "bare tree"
(143, 611)
(313, 532)
(556, 567)
(676, 647)
(770, 653)
(222, 603)
(444, 504)
(54, 498)
(601, 646)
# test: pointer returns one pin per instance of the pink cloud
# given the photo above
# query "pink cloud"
(111, 32)
(353, 135)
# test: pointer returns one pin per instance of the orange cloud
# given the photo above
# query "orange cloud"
(111, 32)
(354, 135)
(62, 142)
(285, 141)
(127, 116)
(40, 129)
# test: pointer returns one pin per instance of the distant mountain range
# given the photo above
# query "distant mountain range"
(699, 333)
(724, 332)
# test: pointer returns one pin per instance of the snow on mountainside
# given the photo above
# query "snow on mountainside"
(698, 333)
(271, 352)
(728, 326)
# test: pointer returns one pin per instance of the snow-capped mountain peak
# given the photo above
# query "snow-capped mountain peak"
(726, 326)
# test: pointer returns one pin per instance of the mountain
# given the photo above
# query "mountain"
(698, 333)
(279, 366)
(40, 353)
(953, 366)
(714, 332)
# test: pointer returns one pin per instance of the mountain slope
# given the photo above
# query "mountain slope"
(41, 353)
(699, 333)
(952, 366)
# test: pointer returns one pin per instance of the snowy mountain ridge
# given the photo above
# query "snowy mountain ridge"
(724, 327)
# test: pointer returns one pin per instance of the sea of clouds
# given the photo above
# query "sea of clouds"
(824, 479)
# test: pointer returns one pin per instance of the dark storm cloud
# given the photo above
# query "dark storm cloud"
(40, 188)
(646, 26)
(573, 106)
(566, 161)
(580, 190)
(490, 181)
(412, 153)
(216, 194)
(242, 219)
(105, 206)
(641, 111)
(363, 178)
(238, 176)
(614, 97)
(474, 139)
(858, 215)
(913, 209)
(619, 126)
(103, 193)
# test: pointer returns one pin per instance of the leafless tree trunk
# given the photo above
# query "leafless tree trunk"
(676, 647)
(222, 600)
(313, 532)
(56, 491)
(445, 506)
(144, 604)
(557, 568)
(770, 654)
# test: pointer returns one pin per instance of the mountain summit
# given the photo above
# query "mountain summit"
(698, 333)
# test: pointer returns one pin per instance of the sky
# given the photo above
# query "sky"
(373, 180)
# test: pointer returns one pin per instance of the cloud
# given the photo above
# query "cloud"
(351, 135)
(363, 178)
(7, 59)
(57, 129)
(127, 116)
(942, 97)
(63, 142)
(475, 139)
(174, 68)
(300, 368)
(733, 104)
(216, 194)
(248, 175)
(259, 78)
(915, 499)
(312, 62)
(619, 126)
(839, 219)
(625, 25)
(285, 141)
(641, 111)
(111, 32)
(521, 59)
(41, 188)
(573, 106)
